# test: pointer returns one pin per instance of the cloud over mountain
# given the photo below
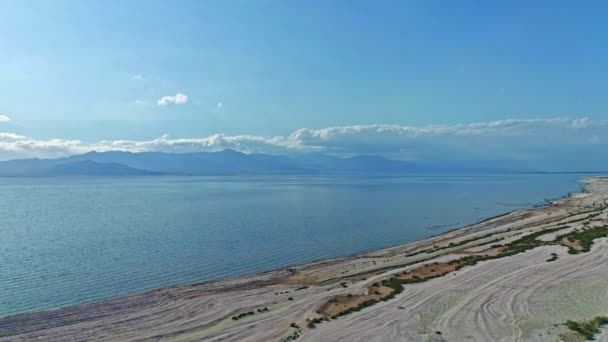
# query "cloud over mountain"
(513, 139)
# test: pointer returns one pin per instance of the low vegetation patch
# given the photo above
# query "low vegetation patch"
(588, 329)
(312, 323)
(456, 244)
(424, 273)
(594, 214)
(584, 238)
(250, 313)
(293, 336)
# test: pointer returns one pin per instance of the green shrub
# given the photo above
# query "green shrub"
(588, 329)
(553, 257)
(585, 238)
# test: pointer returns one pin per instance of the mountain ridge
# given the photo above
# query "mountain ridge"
(225, 162)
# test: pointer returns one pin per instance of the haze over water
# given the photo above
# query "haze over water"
(70, 241)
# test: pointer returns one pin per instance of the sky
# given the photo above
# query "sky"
(510, 81)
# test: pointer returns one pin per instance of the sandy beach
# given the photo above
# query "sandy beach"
(516, 277)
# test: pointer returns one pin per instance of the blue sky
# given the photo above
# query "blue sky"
(83, 72)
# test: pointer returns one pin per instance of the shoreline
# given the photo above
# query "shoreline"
(281, 269)
(316, 282)
(545, 202)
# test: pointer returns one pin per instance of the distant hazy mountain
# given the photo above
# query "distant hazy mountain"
(60, 167)
(227, 162)
(87, 167)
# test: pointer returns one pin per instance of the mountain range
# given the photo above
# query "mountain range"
(226, 162)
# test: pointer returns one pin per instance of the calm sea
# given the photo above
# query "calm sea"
(69, 241)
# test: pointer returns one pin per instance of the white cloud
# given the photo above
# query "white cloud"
(11, 136)
(179, 98)
(580, 123)
(18, 146)
(137, 77)
(4, 118)
(396, 137)
(216, 142)
(531, 139)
